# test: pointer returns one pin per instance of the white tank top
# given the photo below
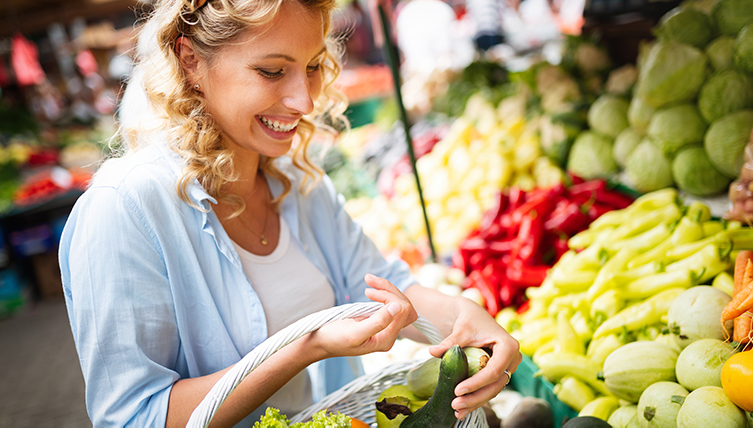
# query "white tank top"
(289, 287)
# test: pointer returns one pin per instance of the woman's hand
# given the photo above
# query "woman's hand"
(465, 323)
(375, 333)
(474, 327)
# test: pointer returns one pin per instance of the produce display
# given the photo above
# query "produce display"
(687, 119)
(639, 313)
(525, 233)
(274, 419)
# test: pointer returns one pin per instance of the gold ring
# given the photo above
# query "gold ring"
(509, 376)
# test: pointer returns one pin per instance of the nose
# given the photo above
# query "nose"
(298, 94)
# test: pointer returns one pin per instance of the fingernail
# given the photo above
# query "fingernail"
(461, 406)
(393, 308)
(370, 277)
(462, 391)
(461, 414)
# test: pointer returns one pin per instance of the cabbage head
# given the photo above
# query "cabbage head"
(743, 55)
(647, 169)
(639, 115)
(621, 80)
(557, 133)
(694, 173)
(672, 72)
(732, 15)
(591, 156)
(720, 51)
(677, 126)
(725, 92)
(726, 139)
(686, 25)
(624, 144)
(608, 115)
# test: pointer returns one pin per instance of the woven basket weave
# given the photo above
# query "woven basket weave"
(355, 399)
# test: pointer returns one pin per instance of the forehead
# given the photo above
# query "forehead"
(294, 31)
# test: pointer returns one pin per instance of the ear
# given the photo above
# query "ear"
(189, 61)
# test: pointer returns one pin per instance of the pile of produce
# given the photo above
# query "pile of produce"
(274, 419)
(485, 150)
(688, 118)
(630, 316)
(741, 190)
(525, 233)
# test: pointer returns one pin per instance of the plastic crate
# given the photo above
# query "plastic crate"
(529, 385)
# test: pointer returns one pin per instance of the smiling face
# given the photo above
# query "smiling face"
(259, 87)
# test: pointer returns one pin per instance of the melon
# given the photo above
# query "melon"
(700, 363)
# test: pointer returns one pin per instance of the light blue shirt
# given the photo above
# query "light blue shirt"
(156, 291)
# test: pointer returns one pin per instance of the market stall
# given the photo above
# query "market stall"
(599, 208)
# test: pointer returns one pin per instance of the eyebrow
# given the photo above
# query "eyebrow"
(290, 58)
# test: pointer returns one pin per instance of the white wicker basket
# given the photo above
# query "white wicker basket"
(355, 399)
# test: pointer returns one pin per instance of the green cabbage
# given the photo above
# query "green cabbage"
(672, 72)
(591, 156)
(719, 52)
(674, 127)
(694, 173)
(608, 115)
(726, 139)
(648, 169)
(705, 6)
(743, 55)
(624, 144)
(724, 93)
(685, 25)
(639, 115)
(732, 15)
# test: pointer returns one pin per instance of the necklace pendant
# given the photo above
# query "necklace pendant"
(264, 241)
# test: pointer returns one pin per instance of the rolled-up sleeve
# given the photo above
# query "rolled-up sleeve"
(120, 309)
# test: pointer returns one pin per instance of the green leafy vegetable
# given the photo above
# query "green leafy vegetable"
(672, 72)
(694, 173)
(608, 115)
(685, 25)
(674, 127)
(725, 92)
(648, 169)
(719, 52)
(624, 144)
(732, 15)
(726, 139)
(639, 115)
(591, 156)
(273, 419)
(743, 55)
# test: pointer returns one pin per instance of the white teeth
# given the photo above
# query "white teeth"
(277, 126)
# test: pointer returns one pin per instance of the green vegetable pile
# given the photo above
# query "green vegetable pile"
(273, 419)
(687, 120)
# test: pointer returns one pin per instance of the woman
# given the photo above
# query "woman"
(214, 231)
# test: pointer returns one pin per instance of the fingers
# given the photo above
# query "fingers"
(383, 291)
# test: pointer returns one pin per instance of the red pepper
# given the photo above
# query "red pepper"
(459, 262)
(527, 276)
(507, 293)
(596, 210)
(560, 248)
(493, 232)
(570, 221)
(491, 215)
(516, 198)
(476, 280)
(541, 202)
(529, 239)
(614, 198)
(574, 179)
(588, 187)
(523, 308)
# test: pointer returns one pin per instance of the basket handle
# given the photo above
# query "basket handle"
(205, 411)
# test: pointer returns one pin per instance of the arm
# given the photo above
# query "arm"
(343, 338)
(465, 323)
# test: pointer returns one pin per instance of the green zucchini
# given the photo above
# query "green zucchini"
(438, 411)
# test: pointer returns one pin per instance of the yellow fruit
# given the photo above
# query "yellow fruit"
(737, 377)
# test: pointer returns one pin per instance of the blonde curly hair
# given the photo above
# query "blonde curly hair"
(180, 111)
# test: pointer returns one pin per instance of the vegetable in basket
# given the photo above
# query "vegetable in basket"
(274, 419)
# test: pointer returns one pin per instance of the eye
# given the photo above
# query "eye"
(269, 74)
(314, 68)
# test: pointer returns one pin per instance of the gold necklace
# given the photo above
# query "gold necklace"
(261, 236)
